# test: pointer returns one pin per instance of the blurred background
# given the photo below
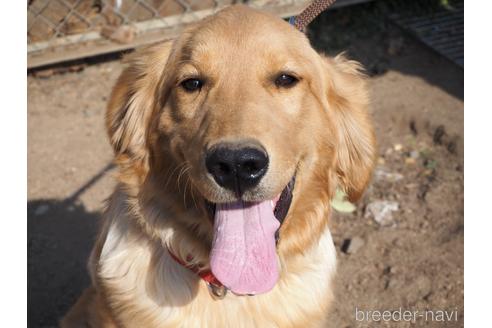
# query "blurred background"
(401, 246)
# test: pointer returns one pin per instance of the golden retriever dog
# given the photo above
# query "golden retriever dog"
(230, 142)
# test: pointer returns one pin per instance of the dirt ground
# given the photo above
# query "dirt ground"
(412, 260)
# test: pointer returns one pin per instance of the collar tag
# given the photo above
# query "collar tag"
(217, 292)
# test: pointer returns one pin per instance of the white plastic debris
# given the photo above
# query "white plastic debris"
(354, 244)
(381, 211)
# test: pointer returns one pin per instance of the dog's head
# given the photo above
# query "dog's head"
(260, 125)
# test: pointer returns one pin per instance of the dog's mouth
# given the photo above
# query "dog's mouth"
(281, 203)
(243, 255)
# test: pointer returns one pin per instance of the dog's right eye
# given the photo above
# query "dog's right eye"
(192, 85)
(285, 80)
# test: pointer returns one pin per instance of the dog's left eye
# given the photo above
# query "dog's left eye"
(192, 85)
(286, 81)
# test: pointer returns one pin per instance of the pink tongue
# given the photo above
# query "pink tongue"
(243, 255)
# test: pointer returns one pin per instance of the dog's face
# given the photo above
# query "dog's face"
(240, 107)
(244, 107)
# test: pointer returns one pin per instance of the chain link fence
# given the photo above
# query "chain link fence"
(61, 30)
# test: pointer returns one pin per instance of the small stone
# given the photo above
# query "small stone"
(414, 154)
(41, 209)
(351, 246)
(398, 147)
(428, 172)
(381, 161)
(421, 288)
(394, 283)
(387, 270)
(410, 161)
(381, 211)
(382, 174)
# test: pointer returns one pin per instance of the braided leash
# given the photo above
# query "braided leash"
(301, 21)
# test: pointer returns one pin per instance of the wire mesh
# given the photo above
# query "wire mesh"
(60, 29)
(441, 28)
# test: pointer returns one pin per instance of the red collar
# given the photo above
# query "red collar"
(206, 275)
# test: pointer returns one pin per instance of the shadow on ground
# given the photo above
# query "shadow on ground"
(367, 35)
(60, 236)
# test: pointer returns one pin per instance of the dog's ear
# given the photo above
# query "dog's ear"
(348, 104)
(132, 102)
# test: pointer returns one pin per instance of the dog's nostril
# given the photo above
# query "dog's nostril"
(237, 169)
(250, 167)
(252, 163)
(224, 168)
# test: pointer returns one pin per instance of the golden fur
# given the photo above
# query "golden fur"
(318, 130)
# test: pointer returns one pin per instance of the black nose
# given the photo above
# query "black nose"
(237, 169)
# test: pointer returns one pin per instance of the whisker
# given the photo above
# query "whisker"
(172, 173)
(192, 192)
(183, 170)
(187, 168)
